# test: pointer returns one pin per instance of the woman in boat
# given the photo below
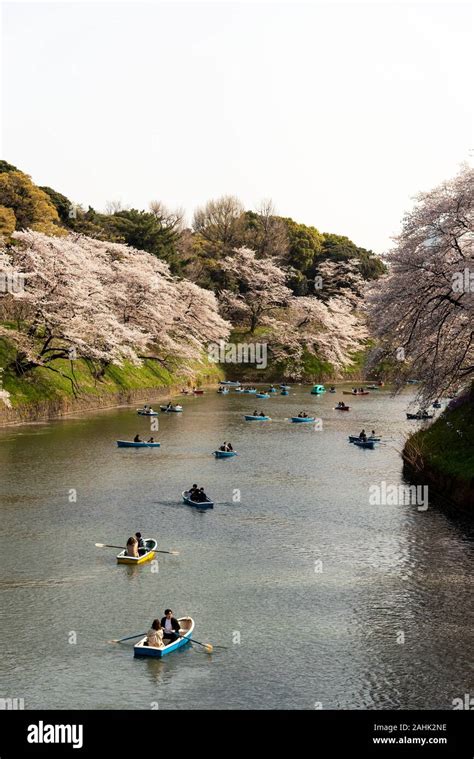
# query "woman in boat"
(170, 626)
(229, 447)
(137, 439)
(151, 440)
(154, 636)
(132, 547)
(372, 434)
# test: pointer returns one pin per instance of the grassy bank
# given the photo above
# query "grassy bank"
(444, 454)
(43, 387)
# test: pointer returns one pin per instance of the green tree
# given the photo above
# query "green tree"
(7, 221)
(32, 207)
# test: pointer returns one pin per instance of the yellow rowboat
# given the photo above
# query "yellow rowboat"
(147, 554)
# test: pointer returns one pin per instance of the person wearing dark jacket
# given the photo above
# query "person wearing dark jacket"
(170, 626)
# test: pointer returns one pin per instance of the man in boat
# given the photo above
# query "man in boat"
(132, 547)
(151, 440)
(192, 491)
(170, 626)
(255, 413)
(137, 439)
(140, 543)
(362, 436)
(154, 636)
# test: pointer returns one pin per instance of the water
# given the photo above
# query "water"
(319, 586)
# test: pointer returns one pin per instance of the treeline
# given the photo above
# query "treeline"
(218, 229)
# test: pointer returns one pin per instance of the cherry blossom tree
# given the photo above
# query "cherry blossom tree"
(423, 310)
(104, 302)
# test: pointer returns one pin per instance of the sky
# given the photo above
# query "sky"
(341, 113)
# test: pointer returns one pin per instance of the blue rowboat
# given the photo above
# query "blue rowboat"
(140, 412)
(249, 391)
(355, 438)
(197, 504)
(303, 419)
(284, 392)
(262, 395)
(285, 387)
(317, 389)
(223, 391)
(175, 409)
(364, 443)
(132, 444)
(187, 626)
(252, 418)
(272, 390)
(224, 454)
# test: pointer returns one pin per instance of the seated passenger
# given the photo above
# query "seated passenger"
(154, 636)
(132, 547)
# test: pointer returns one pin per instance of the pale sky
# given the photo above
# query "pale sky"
(339, 113)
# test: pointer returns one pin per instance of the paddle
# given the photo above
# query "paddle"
(120, 640)
(107, 545)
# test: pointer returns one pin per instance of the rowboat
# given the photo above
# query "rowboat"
(198, 504)
(198, 392)
(285, 387)
(176, 409)
(317, 389)
(224, 454)
(252, 418)
(223, 391)
(187, 626)
(420, 416)
(364, 443)
(355, 438)
(262, 395)
(359, 392)
(246, 390)
(342, 408)
(148, 554)
(303, 419)
(372, 387)
(133, 444)
(140, 412)
(272, 390)
(284, 392)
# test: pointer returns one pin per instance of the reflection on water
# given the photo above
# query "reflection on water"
(318, 595)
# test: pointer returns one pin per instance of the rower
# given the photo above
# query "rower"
(171, 627)
(140, 541)
(137, 439)
(362, 436)
(193, 491)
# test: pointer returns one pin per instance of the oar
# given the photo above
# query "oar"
(129, 637)
(107, 545)
(208, 646)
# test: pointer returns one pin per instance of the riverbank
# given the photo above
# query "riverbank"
(70, 387)
(442, 456)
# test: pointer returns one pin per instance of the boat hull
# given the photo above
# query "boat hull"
(347, 392)
(300, 420)
(224, 454)
(355, 438)
(262, 395)
(131, 444)
(364, 444)
(140, 649)
(147, 413)
(151, 544)
(251, 418)
(338, 408)
(171, 410)
(197, 504)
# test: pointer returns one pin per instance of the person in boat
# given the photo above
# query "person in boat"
(261, 413)
(255, 413)
(201, 496)
(132, 547)
(150, 410)
(170, 627)
(192, 491)
(154, 636)
(372, 434)
(229, 447)
(137, 439)
(140, 542)
(363, 436)
(170, 405)
(223, 447)
(151, 440)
